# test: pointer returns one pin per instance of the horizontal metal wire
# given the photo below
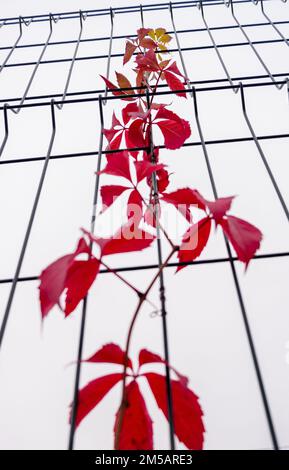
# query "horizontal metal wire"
(118, 10)
(187, 144)
(169, 265)
(139, 95)
(194, 82)
(184, 49)
(107, 38)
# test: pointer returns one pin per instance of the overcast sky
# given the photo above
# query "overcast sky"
(207, 336)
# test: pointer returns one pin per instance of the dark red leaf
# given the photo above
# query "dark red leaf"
(174, 83)
(109, 353)
(136, 431)
(245, 238)
(174, 129)
(90, 395)
(109, 194)
(53, 278)
(80, 276)
(162, 180)
(189, 427)
(194, 241)
(129, 50)
(135, 133)
(219, 207)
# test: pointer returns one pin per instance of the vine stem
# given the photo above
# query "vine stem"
(128, 342)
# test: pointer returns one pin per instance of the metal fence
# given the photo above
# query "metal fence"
(237, 84)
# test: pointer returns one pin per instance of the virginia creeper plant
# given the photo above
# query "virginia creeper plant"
(145, 179)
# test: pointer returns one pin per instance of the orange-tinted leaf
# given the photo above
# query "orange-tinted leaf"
(129, 50)
(123, 82)
(115, 91)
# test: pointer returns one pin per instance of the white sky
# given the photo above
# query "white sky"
(207, 338)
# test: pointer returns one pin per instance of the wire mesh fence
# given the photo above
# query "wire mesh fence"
(235, 57)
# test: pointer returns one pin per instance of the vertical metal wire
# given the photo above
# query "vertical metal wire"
(253, 352)
(200, 6)
(27, 23)
(262, 155)
(6, 127)
(109, 52)
(82, 17)
(271, 22)
(84, 303)
(240, 297)
(51, 19)
(28, 229)
(253, 47)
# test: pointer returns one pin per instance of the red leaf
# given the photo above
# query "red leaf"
(219, 207)
(174, 83)
(147, 357)
(53, 278)
(174, 129)
(129, 50)
(109, 353)
(174, 68)
(162, 180)
(114, 90)
(116, 142)
(142, 33)
(244, 237)
(144, 169)
(80, 276)
(183, 198)
(128, 238)
(110, 133)
(148, 61)
(130, 108)
(194, 241)
(134, 207)
(135, 133)
(110, 193)
(117, 165)
(136, 425)
(189, 427)
(115, 122)
(90, 395)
